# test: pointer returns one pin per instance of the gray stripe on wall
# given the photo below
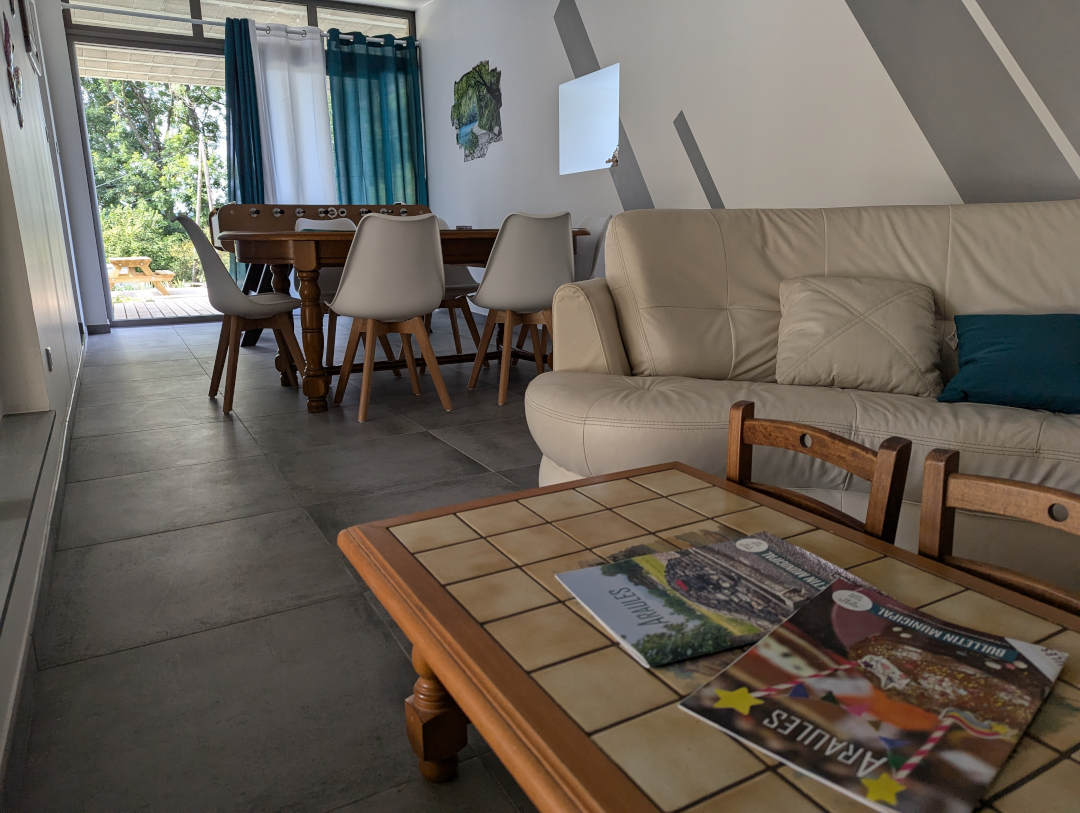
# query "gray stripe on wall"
(629, 181)
(1042, 37)
(989, 141)
(697, 161)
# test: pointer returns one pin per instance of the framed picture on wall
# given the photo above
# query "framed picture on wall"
(31, 34)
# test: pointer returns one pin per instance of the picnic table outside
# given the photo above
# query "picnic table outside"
(137, 269)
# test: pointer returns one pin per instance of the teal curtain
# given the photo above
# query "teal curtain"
(242, 116)
(378, 122)
(243, 139)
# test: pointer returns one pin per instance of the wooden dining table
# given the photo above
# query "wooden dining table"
(308, 251)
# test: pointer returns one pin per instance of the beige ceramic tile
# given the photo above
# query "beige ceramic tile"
(603, 687)
(671, 481)
(497, 519)
(765, 792)
(1027, 757)
(696, 534)
(544, 572)
(579, 608)
(713, 501)
(1058, 721)
(905, 583)
(561, 504)
(1055, 791)
(633, 547)
(500, 594)
(464, 561)
(617, 492)
(654, 515)
(841, 552)
(432, 533)
(832, 800)
(600, 528)
(1069, 642)
(533, 544)
(544, 636)
(988, 615)
(676, 757)
(766, 519)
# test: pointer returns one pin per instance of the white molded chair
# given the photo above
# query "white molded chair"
(532, 256)
(242, 312)
(393, 279)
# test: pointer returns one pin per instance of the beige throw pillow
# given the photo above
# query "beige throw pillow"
(858, 333)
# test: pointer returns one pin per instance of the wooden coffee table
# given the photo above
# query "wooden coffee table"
(581, 726)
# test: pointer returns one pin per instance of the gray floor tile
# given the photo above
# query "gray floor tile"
(110, 419)
(474, 789)
(334, 515)
(142, 370)
(267, 397)
(498, 445)
(138, 504)
(150, 449)
(524, 477)
(298, 431)
(325, 472)
(298, 710)
(96, 357)
(506, 782)
(136, 591)
(470, 406)
(150, 389)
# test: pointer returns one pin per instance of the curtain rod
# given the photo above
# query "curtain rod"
(170, 18)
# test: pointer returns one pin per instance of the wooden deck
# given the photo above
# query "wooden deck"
(147, 305)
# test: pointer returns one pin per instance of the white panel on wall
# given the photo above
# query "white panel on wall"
(589, 121)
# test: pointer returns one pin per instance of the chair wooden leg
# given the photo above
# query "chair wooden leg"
(482, 346)
(454, 327)
(428, 352)
(410, 362)
(384, 340)
(470, 323)
(507, 355)
(285, 354)
(291, 344)
(230, 373)
(370, 340)
(538, 350)
(222, 352)
(331, 336)
(349, 360)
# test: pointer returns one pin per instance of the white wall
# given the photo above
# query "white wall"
(786, 99)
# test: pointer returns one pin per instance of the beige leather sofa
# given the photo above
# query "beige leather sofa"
(649, 360)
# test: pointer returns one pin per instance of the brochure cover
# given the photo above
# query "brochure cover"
(674, 605)
(889, 705)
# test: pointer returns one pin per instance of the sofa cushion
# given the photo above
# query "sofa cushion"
(860, 333)
(592, 423)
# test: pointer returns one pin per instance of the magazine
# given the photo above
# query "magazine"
(674, 605)
(891, 706)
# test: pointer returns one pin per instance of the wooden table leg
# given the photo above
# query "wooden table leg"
(316, 379)
(280, 281)
(435, 724)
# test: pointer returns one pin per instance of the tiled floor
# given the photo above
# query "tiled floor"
(203, 644)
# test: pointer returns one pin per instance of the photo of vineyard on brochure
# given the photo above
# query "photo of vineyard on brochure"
(889, 705)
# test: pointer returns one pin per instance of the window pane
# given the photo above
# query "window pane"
(144, 65)
(261, 11)
(371, 24)
(174, 8)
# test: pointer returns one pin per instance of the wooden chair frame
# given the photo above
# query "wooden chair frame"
(539, 327)
(885, 469)
(945, 491)
(229, 349)
(372, 330)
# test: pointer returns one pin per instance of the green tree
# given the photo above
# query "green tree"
(144, 143)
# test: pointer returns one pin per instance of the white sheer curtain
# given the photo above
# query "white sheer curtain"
(294, 117)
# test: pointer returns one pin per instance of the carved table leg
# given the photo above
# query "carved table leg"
(316, 380)
(435, 724)
(279, 281)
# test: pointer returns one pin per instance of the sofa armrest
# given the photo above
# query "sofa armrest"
(585, 330)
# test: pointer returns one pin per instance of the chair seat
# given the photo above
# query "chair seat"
(258, 306)
(455, 291)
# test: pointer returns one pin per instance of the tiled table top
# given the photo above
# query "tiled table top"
(499, 561)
